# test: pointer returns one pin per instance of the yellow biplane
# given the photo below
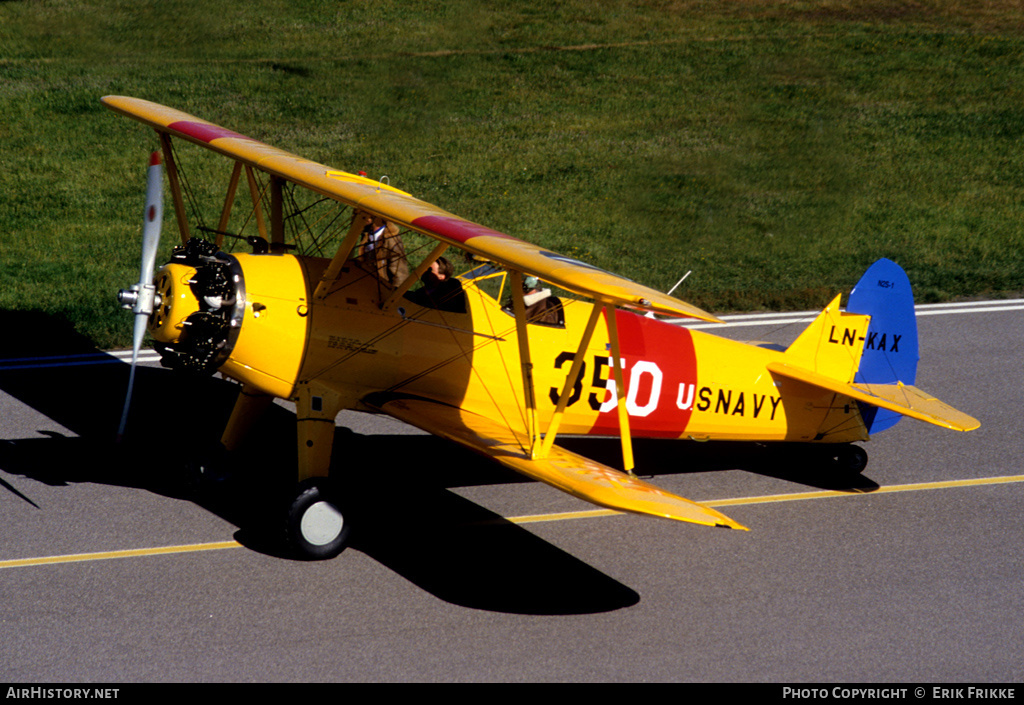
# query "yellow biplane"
(376, 328)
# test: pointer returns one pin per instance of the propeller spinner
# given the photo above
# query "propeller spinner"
(141, 297)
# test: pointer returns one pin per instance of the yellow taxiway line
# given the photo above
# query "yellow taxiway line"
(792, 497)
(128, 553)
(529, 519)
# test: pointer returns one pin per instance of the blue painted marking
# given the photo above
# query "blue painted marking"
(891, 348)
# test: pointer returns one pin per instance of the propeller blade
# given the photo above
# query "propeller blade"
(140, 298)
(152, 218)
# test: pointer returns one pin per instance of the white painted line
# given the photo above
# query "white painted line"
(731, 321)
(967, 304)
(96, 358)
(766, 319)
(979, 309)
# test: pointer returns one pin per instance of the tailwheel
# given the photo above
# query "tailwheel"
(316, 529)
(850, 458)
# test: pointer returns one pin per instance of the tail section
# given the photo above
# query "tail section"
(869, 354)
(891, 347)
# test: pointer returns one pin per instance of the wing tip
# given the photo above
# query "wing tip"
(708, 517)
(727, 523)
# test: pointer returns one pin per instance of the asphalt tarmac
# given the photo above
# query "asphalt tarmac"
(121, 564)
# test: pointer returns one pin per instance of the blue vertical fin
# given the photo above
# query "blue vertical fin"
(891, 348)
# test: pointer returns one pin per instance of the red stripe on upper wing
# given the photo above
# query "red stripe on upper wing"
(455, 228)
(203, 131)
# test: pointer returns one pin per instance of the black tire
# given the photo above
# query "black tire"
(208, 469)
(316, 528)
(851, 458)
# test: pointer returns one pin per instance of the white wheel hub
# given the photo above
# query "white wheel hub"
(321, 523)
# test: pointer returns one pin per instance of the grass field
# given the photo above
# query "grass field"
(775, 149)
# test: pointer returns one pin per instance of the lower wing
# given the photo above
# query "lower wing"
(563, 469)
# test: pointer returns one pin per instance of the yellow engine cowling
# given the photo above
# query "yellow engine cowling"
(271, 342)
(244, 315)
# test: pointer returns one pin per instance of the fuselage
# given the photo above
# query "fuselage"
(680, 383)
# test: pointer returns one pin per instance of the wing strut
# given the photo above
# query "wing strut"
(415, 276)
(340, 257)
(620, 390)
(519, 307)
(175, 183)
(229, 201)
(276, 213)
(540, 447)
(256, 196)
(570, 382)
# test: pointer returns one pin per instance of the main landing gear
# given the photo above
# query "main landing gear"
(849, 458)
(316, 527)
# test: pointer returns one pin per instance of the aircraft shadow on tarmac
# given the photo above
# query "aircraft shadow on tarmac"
(403, 514)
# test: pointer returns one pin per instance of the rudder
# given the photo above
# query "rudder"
(891, 346)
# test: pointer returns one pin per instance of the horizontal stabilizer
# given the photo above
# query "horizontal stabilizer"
(901, 398)
(567, 471)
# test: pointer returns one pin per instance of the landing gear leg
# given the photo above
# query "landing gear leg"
(214, 465)
(249, 406)
(316, 527)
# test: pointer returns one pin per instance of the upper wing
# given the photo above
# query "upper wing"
(563, 469)
(407, 211)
